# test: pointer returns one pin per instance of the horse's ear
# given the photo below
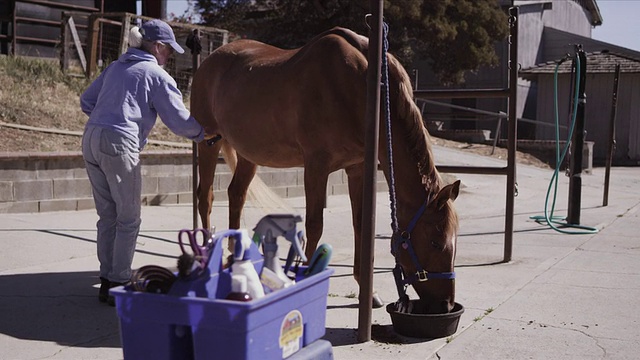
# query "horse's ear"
(450, 191)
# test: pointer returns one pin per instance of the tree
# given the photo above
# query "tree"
(187, 17)
(455, 36)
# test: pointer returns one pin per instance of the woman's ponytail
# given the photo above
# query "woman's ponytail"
(135, 37)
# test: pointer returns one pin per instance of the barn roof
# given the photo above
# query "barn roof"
(590, 6)
(597, 62)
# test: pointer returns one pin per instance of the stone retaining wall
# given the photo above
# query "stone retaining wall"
(40, 182)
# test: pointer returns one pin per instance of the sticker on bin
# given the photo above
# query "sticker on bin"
(291, 333)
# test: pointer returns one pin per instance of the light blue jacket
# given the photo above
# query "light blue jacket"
(129, 95)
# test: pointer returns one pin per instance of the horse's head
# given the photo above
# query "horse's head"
(426, 251)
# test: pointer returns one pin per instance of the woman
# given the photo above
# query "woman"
(123, 104)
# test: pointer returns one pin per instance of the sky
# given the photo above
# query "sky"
(620, 25)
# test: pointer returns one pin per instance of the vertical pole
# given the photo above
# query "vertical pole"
(124, 33)
(372, 120)
(512, 139)
(612, 136)
(14, 26)
(496, 136)
(194, 146)
(70, 28)
(577, 145)
(92, 45)
(64, 43)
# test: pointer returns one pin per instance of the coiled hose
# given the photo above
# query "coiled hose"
(548, 216)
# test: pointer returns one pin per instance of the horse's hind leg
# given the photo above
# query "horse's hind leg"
(355, 175)
(237, 191)
(207, 162)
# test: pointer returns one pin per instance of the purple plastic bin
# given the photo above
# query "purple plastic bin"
(156, 326)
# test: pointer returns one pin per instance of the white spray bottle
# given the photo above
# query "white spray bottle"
(242, 264)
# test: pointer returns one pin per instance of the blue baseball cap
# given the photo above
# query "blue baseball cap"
(158, 30)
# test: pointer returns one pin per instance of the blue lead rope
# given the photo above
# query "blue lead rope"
(398, 273)
(387, 115)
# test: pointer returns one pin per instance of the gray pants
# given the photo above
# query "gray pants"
(113, 165)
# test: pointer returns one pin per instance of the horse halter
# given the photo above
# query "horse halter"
(402, 238)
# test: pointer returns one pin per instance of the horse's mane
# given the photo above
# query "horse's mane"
(416, 136)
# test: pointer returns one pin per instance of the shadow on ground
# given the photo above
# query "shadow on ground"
(57, 307)
(383, 334)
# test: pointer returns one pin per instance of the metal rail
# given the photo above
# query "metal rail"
(462, 93)
(510, 93)
(483, 112)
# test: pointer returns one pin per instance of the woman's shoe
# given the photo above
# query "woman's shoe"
(110, 299)
(103, 293)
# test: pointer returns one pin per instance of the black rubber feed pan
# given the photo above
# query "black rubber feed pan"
(430, 326)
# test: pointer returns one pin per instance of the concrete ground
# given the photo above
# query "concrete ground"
(562, 296)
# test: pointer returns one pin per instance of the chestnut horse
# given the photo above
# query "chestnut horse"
(306, 107)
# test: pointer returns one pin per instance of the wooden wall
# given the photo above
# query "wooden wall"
(32, 27)
(599, 90)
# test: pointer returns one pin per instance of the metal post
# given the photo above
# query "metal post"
(612, 136)
(496, 136)
(194, 147)
(124, 33)
(14, 34)
(512, 139)
(370, 171)
(92, 45)
(577, 145)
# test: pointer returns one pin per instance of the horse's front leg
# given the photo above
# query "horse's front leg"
(237, 191)
(315, 190)
(355, 180)
(207, 161)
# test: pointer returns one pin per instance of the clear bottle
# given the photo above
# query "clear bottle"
(242, 264)
(239, 289)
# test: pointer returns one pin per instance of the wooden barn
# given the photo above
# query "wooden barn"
(33, 27)
(86, 35)
(547, 31)
(599, 108)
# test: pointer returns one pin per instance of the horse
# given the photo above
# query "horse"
(305, 107)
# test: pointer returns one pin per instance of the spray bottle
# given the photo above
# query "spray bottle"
(242, 264)
(239, 289)
(267, 231)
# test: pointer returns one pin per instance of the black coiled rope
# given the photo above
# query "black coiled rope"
(152, 279)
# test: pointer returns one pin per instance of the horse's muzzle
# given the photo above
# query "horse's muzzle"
(432, 307)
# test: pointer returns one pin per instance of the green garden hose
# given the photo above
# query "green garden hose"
(548, 217)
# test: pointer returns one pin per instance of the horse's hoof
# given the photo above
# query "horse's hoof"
(377, 301)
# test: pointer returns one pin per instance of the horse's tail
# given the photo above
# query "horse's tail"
(258, 193)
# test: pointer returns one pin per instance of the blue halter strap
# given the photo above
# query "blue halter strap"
(403, 238)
